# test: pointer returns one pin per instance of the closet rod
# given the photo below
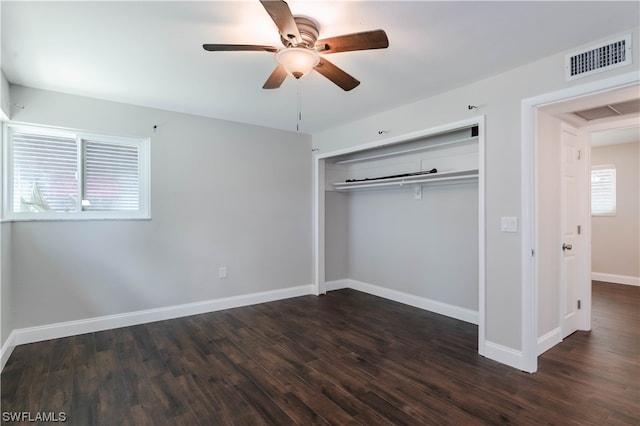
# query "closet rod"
(406, 151)
(411, 178)
(407, 182)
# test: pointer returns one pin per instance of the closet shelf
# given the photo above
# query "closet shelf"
(409, 150)
(452, 176)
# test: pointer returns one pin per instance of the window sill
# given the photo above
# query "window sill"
(72, 219)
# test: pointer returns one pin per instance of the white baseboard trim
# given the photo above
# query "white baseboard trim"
(71, 328)
(549, 340)
(462, 314)
(509, 356)
(7, 349)
(616, 279)
(337, 284)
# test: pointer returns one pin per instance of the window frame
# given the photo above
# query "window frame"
(144, 175)
(614, 185)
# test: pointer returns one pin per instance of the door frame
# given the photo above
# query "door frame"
(529, 172)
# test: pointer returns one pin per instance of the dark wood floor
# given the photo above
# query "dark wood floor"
(344, 358)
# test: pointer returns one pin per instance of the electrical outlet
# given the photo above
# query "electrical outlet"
(222, 272)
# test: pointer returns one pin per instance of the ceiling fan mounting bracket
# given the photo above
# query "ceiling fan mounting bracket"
(309, 31)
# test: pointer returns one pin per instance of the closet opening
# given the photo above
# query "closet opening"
(403, 218)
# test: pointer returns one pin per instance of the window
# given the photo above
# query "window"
(60, 174)
(603, 190)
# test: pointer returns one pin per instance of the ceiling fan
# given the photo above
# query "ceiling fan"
(301, 52)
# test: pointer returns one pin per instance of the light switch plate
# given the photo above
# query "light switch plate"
(222, 272)
(509, 224)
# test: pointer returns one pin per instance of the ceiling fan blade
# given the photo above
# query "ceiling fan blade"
(281, 15)
(238, 48)
(335, 74)
(376, 39)
(276, 78)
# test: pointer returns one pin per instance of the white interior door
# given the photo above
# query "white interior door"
(572, 250)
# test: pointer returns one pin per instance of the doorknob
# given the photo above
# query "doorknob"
(566, 246)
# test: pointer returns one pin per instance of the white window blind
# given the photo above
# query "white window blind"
(603, 190)
(111, 174)
(62, 174)
(44, 173)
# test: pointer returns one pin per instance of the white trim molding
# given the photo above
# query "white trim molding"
(90, 325)
(452, 311)
(549, 340)
(7, 349)
(338, 284)
(509, 356)
(615, 279)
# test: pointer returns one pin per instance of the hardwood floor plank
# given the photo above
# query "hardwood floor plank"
(113, 403)
(167, 390)
(205, 408)
(316, 344)
(270, 386)
(103, 340)
(57, 392)
(84, 413)
(152, 362)
(84, 386)
(285, 372)
(84, 352)
(141, 415)
(434, 408)
(9, 389)
(230, 405)
(337, 392)
(262, 403)
(33, 360)
(386, 409)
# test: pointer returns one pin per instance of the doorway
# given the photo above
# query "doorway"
(542, 240)
(615, 221)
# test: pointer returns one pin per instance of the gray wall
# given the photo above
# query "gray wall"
(336, 242)
(6, 308)
(5, 96)
(500, 99)
(427, 247)
(615, 240)
(222, 194)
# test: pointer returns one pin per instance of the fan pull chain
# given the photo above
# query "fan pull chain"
(298, 106)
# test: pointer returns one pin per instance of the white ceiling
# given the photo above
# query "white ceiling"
(150, 53)
(616, 136)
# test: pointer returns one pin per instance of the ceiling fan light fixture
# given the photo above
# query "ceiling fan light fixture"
(298, 61)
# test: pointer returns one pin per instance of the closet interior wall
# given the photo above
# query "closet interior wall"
(413, 235)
